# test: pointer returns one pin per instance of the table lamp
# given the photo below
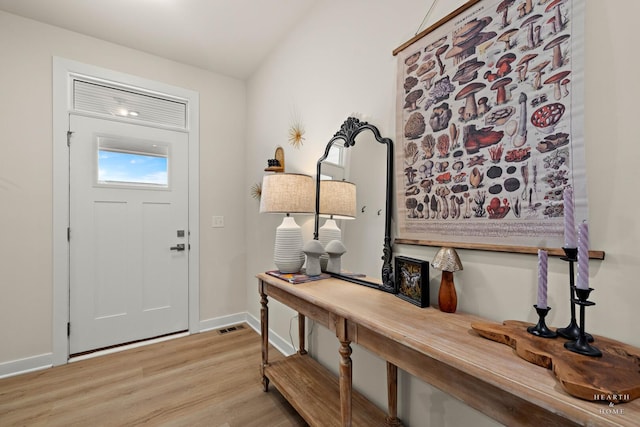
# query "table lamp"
(448, 261)
(337, 201)
(288, 193)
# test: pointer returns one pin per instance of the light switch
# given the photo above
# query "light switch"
(217, 221)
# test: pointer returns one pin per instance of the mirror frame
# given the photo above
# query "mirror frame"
(351, 128)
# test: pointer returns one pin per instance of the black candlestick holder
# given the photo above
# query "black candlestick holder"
(541, 329)
(572, 331)
(581, 345)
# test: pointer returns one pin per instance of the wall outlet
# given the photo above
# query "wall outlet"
(217, 221)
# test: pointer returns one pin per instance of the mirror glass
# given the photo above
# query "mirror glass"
(359, 155)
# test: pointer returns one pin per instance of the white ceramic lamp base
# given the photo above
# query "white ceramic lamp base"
(288, 255)
(328, 232)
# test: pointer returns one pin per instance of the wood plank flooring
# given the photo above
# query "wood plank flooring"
(207, 379)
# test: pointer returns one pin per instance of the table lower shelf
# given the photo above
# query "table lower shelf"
(314, 392)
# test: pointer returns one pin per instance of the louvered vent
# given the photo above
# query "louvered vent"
(92, 97)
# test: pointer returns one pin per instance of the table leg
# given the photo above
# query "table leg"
(264, 332)
(392, 395)
(301, 337)
(345, 382)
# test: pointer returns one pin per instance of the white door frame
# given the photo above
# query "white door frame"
(63, 70)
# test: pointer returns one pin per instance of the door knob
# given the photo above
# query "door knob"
(179, 247)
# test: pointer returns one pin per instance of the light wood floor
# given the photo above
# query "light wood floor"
(207, 379)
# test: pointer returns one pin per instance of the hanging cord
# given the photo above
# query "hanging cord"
(426, 16)
(291, 336)
(311, 323)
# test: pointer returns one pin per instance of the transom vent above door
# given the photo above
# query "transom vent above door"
(128, 104)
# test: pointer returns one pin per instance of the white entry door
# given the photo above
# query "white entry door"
(129, 238)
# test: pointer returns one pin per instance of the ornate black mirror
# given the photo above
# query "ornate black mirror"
(378, 212)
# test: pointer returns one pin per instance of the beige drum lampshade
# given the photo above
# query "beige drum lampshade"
(338, 199)
(288, 193)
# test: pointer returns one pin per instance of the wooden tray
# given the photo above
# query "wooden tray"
(614, 377)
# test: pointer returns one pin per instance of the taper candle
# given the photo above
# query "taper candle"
(569, 221)
(583, 256)
(542, 278)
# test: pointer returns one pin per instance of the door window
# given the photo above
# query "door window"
(132, 163)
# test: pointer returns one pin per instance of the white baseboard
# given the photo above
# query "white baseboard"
(222, 322)
(281, 344)
(28, 364)
(43, 361)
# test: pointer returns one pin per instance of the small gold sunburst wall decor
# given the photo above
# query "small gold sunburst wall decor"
(296, 132)
(256, 191)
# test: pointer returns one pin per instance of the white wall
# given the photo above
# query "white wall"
(339, 61)
(26, 49)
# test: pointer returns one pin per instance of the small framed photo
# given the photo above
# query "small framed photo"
(412, 279)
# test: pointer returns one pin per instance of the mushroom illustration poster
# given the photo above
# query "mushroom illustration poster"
(490, 123)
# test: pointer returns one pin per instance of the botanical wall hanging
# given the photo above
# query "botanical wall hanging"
(490, 126)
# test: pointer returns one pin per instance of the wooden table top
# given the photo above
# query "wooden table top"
(449, 338)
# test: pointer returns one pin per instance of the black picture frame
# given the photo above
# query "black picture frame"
(412, 280)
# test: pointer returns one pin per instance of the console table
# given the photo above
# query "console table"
(439, 348)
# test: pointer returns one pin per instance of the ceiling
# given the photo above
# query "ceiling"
(229, 37)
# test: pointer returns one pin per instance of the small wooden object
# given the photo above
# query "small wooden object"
(447, 297)
(279, 156)
(613, 377)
